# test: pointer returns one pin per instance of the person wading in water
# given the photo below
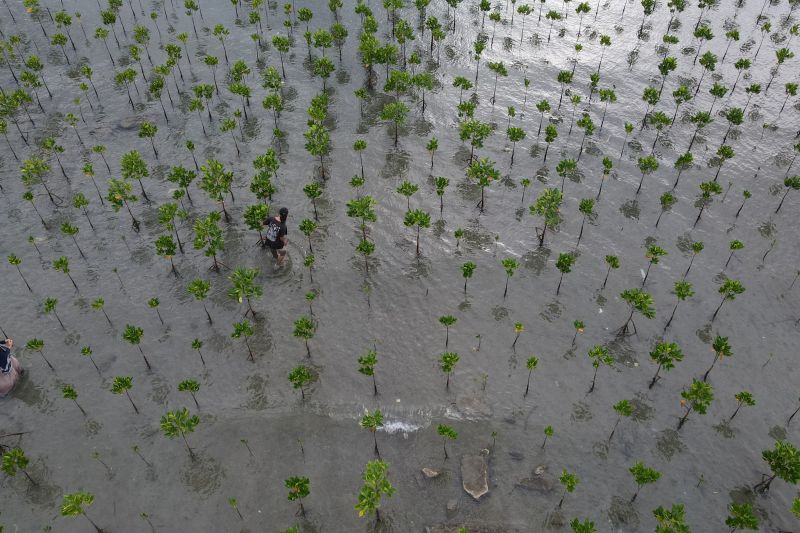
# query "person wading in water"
(275, 236)
(10, 369)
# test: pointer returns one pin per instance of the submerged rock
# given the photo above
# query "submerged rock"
(474, 477)
(539, 481)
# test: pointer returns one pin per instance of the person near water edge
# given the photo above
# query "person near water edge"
(275, 236)
(10, 369)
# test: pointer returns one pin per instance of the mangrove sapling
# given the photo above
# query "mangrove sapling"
(419, 219)
(29, 197)
(441, 184)
(666, 354)
(14, 459)
(366, 366)
(742, 398)
(647, 165)
(244, 287)
(124, 384)
(79, 201)
(566, 168)
(622, 408)
(792, 183)
(643, 475)
(717, 91)
(109, 470)
(244, 330)
(548, 432)
(564, 265)
(69, 393)
(681, 95)
(547, 205)
(586, 124)
(179, 422)
(62, 265)
(133, 335)
(235, 506)
(304, 329)
(376, 484)
(652, 254)
(73, 505)
(682, 290)
(697, 398)
(119, 194)
(599, 355)
(49, 306)
(734, 245)
(789, 88)
(784, 462)
(510, 265)
(639, 301)
(519, 328)
(308, 261)
(299, 488)
(550, 135)
(197, 344)
(729, 290)
(721, 349)
(525, 183)
(216, 182)
(552, 16)
(707, 189)
(467, 269)
(667, 200)
(659, 120)
(628, 131)
(476, 132)
(247, 445)
(542, 106)
(167, 213)
(569, 481)
(586, 208)
(432, 146)
(153, 303)
(199, 288)
(587, 526)
(447, 433)
(16, 262)
(99, 305)
(447, 362)
(407, 189)
(741, 517)
(607, 96)
(312, 192)
(208, 237)
(531, 365)
(651, 97)
(166, 248)
(191, 386)
(300, 377)
(86, 351)
(447, 321)
(458, 234)
(372, 421)
(613, 263)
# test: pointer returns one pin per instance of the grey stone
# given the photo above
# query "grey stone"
(474, 476)
(430, 473)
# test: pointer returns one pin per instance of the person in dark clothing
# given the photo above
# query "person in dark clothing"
(10, 369)
(275, 236)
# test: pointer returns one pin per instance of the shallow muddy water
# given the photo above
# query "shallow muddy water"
(395, 306)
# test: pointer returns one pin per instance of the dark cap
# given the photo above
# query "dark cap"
(284, 213)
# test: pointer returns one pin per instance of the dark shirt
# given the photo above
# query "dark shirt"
(276, 230)
(5, 359)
